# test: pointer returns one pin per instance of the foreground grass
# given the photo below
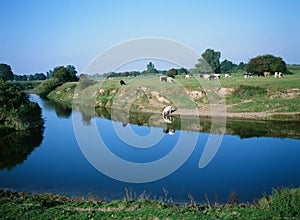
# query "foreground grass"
(282, 204)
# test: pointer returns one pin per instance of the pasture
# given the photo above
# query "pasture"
(148, 94)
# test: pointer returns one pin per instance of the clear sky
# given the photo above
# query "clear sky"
(37, 35)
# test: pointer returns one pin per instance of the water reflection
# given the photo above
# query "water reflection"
(62, 111)
(241, 128)
(16, 146)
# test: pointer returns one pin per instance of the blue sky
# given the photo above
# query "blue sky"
(37, 35)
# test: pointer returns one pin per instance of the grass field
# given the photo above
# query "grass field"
(147, 94)
(282, 204)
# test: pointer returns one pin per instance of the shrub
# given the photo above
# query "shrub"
(47, 86)
(246, 91)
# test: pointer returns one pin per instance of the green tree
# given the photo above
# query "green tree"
(171, 72)
(213, 59)
(16, 111)
(209, 62)
(182, 71)
(227, 66)
(266, 63)
(151, 68)
(65, 74)
(6, 72)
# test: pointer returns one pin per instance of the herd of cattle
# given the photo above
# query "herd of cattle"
(218, 76)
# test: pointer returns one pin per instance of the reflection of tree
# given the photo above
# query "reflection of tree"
(16, 146)
(62, 111)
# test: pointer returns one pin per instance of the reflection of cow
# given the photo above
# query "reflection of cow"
(168, 110)
(278, 75)
(122, 83)
(169, 131)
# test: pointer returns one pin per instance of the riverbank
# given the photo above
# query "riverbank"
(258, 98)
(282, 204)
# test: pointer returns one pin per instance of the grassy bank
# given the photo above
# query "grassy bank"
(282, 204)
(268, 97)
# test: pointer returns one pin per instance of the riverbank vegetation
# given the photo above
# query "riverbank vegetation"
(281, 204)
(17, 112)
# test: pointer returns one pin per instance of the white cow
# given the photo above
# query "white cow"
(163, 78)
(187, 76)
(247, 75)
(278, 75)
(227, 75)
(168, 110)
(170, 79)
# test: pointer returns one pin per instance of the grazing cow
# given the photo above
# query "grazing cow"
(163, 78)
(206, 76)
(278, 75)
(227, 75)
(247, 75)
(260, 74)
(170, 79)
(168, 110)
(267, 74)
(216, 76)
(187, 76)
(122, 83)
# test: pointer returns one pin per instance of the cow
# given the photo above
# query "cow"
(278, 75)
(247, 75)
(227, 75)
(216, 76)
(170, 79)
(205, 76)
(163, 78)
(187, 76)
(267, 74)
(122, 83)
(168, 110)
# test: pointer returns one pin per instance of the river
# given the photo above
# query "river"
(252, 158)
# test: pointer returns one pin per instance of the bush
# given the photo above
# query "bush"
(246, 91)
(47, 86)
(284, 202)
(16, 111)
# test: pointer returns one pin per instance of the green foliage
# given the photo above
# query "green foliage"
(16, 111)
(65, 74)
(244, 91)
(227, 66)
(151, 68)
(47, 86)
(171, 72)
(266, 63)
(20, 205)
(284, 202)
(213, 59)
(6, 72)
(85, 82)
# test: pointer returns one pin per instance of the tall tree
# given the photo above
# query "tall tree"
(151, 68)
(6, 72)
(266, 63)
(213, 59)
(227, 66)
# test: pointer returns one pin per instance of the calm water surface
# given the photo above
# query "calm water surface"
(250, 166)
